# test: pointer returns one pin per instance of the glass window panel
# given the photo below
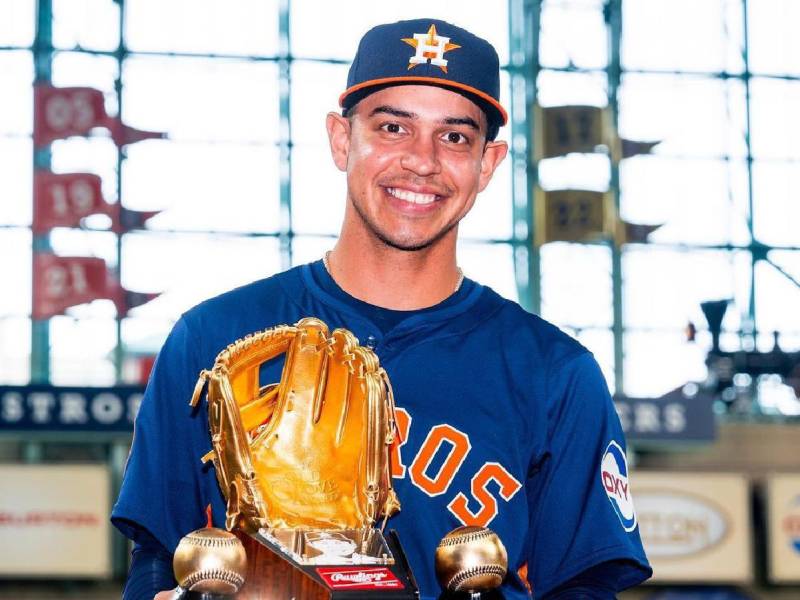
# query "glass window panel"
(772, 32)
(90, 24)
(96, 155)
(489, 264)
(586, 4)
(775, 397)
(203, 26)
(193, 98)
(81, 351)
(319, 191)
(222, 187)
(777, 298)
(698, 201)
(306, 249)
(577, 171)
(774, 120)
(192, 267)
(75, 242)
(15, 350)
(693, 116)
(601, 343)
(491, 217)
(789, 261)
(790, 342)
(142, 335)
(16, 175)
(682, 35)
(15, 272)
(313, 36)
(556, 88)
(576, 285)
(573, 36)
(16, 78)
(17, 21)
(315, 92)
(776, 207)
(664, 287)
(657, 362)
(81, 69)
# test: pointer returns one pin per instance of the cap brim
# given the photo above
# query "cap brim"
(486, 99)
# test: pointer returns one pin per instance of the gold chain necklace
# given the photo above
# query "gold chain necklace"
(326, 262)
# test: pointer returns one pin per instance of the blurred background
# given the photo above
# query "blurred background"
(154, 153)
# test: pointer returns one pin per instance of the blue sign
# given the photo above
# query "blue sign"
(49, 408)
(674, 417)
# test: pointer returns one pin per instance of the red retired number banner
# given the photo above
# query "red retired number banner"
(63, 200)
(64, 112)
(63, 281)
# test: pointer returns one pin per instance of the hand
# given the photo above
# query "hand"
(165, 595)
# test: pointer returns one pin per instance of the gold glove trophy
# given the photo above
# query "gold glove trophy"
(304, 467)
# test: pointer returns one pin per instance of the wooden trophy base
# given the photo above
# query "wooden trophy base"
(272, 575)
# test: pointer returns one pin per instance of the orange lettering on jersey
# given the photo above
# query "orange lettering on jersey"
(209, 518)
(459, 448)
(403, 425)
(490, 471)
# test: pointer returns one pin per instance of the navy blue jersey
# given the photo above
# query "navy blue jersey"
(507, 422)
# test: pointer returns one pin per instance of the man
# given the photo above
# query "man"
(506, 421)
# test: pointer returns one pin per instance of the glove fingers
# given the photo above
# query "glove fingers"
(341, 386)
(303, 373)
(257, 412)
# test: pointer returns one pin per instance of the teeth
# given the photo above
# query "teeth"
(412, 196)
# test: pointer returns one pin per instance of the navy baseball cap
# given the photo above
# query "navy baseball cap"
(427, 52)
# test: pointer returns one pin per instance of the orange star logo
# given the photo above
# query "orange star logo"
(430, 48)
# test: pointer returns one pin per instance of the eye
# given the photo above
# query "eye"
(454, 137)
(392, 128)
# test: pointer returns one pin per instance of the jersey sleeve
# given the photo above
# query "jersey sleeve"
(581, 508)
(162, 491)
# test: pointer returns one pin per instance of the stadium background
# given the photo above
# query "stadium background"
(244, 187)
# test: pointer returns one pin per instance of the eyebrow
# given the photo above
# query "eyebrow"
(395, 112)
(468, 121)
(404, 114)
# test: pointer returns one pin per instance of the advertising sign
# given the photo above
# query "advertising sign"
(783, 500)
(54, 521)
(695, 527)
(41, 407)
(673, 417)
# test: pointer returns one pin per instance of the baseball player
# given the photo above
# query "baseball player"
(506, 421)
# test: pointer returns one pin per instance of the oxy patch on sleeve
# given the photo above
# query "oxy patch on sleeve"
(614, 478)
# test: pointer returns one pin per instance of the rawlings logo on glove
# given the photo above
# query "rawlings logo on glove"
(311, 450)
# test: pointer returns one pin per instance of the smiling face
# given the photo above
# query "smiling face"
(416, 158)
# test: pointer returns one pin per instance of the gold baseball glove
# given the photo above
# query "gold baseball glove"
(311, 450)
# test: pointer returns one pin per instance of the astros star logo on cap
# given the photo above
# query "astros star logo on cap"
(430, 47)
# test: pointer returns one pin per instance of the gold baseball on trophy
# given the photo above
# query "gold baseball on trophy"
(210, 560)
(471, 559)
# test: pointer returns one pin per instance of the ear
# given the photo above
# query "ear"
(338, 138)
(493, 155)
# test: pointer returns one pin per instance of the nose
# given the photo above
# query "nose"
(421, 156)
